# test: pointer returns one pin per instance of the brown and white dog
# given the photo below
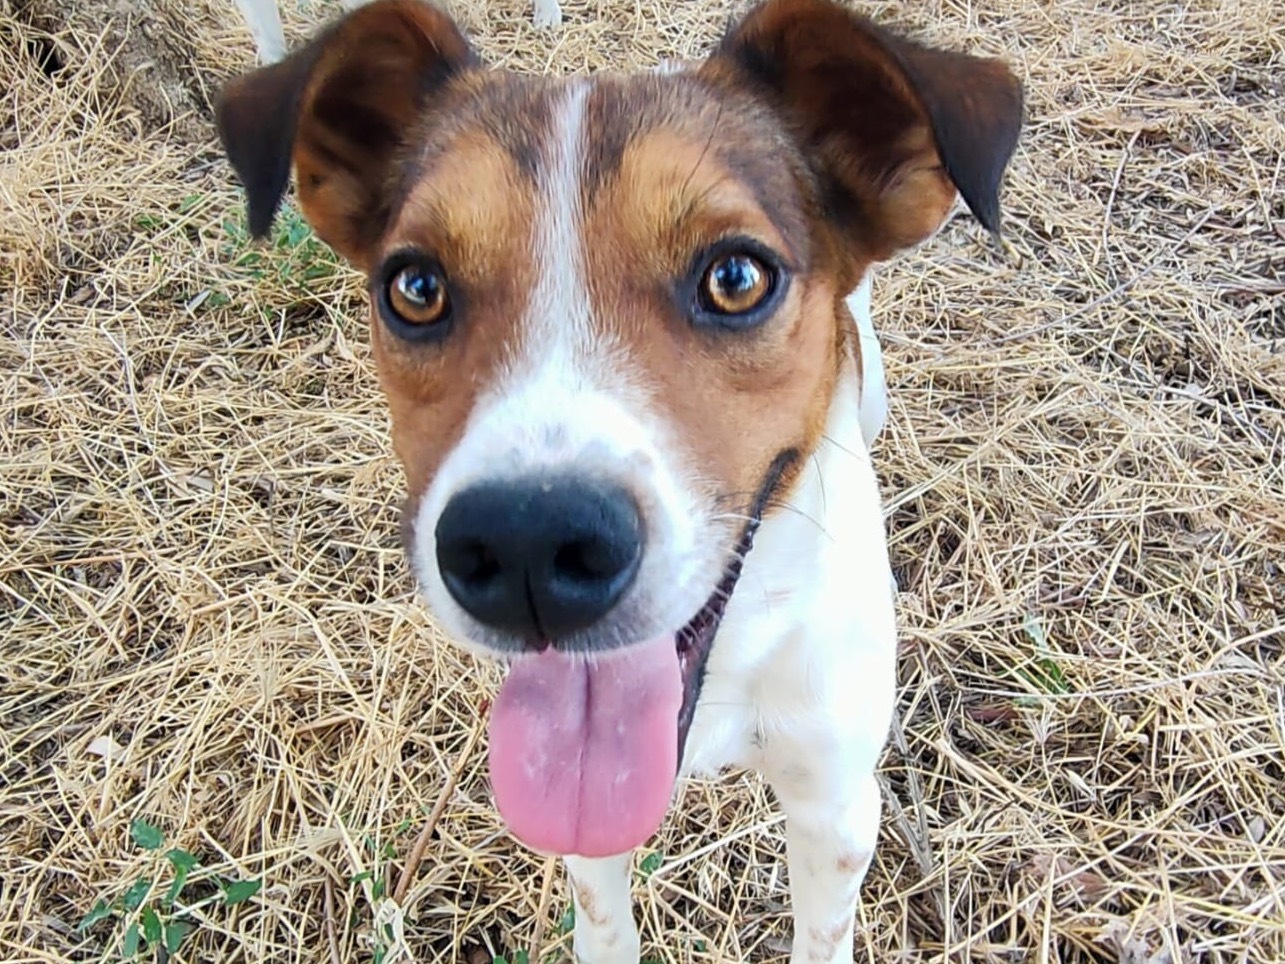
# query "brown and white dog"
(623, 326)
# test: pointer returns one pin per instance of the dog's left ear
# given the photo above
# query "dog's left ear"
(340, 110)
(891, 128)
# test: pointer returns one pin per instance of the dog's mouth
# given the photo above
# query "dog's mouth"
(585, 749)
(695, 640)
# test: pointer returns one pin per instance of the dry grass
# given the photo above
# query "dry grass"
(207, 622)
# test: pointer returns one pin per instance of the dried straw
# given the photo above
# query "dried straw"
(207, 622)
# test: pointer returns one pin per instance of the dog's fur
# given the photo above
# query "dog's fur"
(565, 214)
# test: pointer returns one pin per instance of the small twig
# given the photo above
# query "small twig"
(331, 937)
(541, 912)
(1115, 187)
(916, 837)
(1119, 289)
(1251, 289)
(426, 835)
(116, 557)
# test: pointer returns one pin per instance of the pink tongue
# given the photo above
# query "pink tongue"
(584, 751)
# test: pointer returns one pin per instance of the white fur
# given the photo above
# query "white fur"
(263, 17)
(874, 386)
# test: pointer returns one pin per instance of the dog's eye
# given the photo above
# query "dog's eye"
(735, 284)
(417, 296)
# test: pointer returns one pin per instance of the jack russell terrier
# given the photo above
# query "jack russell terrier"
(623, 327)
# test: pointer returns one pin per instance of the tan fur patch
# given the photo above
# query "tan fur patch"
(472, 211)
(733, 399)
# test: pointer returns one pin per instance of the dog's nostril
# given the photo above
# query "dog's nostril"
(476, 563)
(590, 559)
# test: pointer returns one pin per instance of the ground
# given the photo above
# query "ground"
(209, 641)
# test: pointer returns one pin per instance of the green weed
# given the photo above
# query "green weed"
(293, 258)
(1042, 671)
(153, 919)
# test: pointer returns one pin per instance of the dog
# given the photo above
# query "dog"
(623, 327)
(264, 20)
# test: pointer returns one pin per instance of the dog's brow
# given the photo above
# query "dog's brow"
(651, 114)
(513, 112)
(615, 115)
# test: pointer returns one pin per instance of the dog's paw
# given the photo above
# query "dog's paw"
(548, 14)
(591, 951)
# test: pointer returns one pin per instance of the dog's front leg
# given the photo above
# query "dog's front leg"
(548, 13)
(605, 930)
(832, 822)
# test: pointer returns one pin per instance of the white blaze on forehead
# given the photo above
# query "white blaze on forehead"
(558, 328)
(565, 396)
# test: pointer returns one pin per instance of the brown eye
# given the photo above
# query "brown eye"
(735, 284)
(417, 296)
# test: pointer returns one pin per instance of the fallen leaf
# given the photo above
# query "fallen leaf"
(993, 713)
(107, 748)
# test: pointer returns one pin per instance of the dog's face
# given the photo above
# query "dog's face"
(608, 317)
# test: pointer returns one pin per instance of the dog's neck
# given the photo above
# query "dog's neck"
(825, 543)
(874, 387)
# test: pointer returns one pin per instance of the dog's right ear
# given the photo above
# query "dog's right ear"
(339, 109)
(894, 130)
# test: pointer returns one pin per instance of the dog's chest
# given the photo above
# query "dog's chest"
(808, 622)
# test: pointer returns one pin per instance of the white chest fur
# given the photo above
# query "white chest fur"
(807, 648)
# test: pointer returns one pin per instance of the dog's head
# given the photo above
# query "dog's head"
(608, 317)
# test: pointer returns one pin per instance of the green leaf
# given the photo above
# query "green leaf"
(358, 878)
(174, 934)
(241, 891)
(100, 911)
(136, 894)
(1053, 679)
(146, 836)
(151, 927)
(1035, 630)
(568, 922)
(499, 960)
(651, 863)
(176, 886)
(181, 859)
(133, 939)
(521, 957)
(1046, 674)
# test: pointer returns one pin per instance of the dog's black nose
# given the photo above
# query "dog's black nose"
(539, 557)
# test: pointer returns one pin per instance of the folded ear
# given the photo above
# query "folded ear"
(891, 128)
(340, 109)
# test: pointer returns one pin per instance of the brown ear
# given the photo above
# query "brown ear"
(891, 128)
(340, 109)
